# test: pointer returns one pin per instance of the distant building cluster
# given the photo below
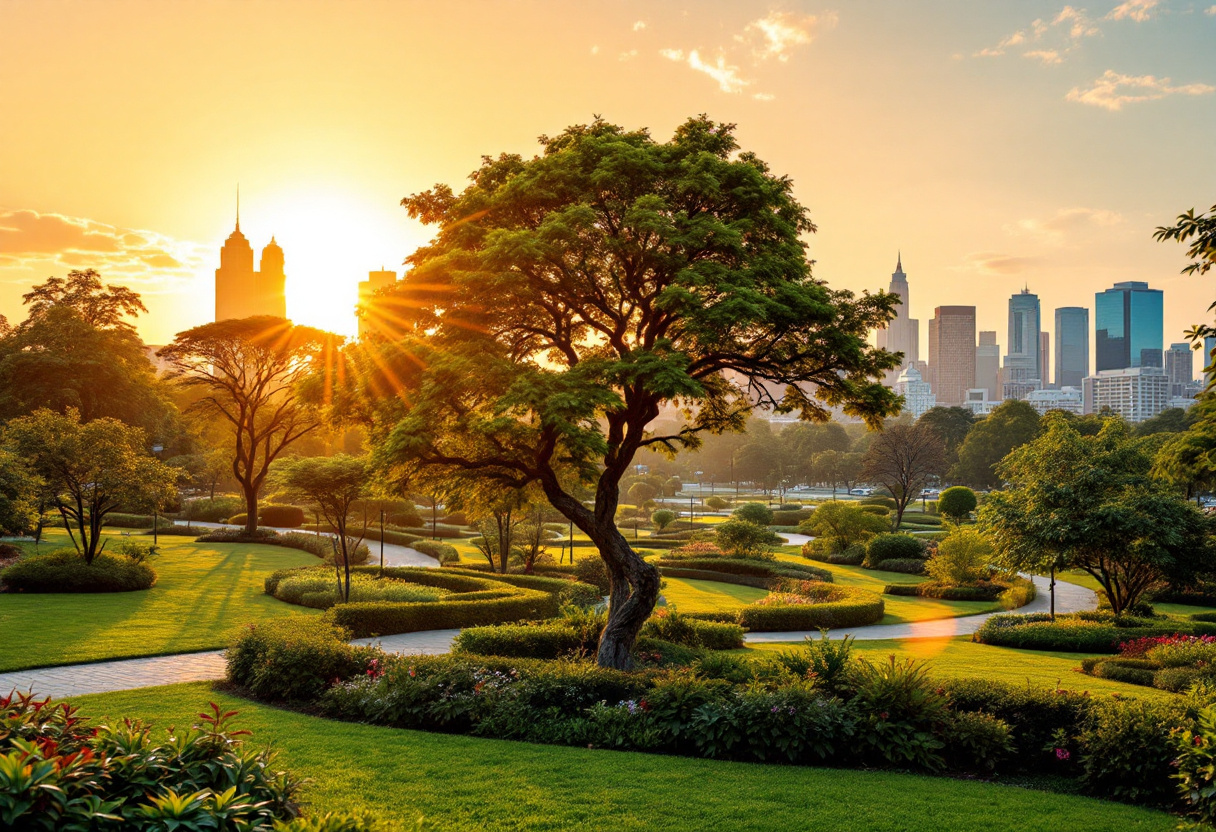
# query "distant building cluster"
(1134, 376)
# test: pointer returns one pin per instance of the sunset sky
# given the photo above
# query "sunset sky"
(996, 144)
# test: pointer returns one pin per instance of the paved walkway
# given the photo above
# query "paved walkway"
(394, 554)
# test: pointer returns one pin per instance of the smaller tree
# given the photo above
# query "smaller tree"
(532, 535)
(843, 524)
(641, 493)
(332, 486)
(964, 557)
(1010, 425)
(19, 492)
(663, 518)
(499, 513)
(957, 503)
(716, 503)
(757, 513)
(94, 469)
(746, 540)
(902, 459)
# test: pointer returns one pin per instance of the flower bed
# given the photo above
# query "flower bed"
(1016, 592)
(1173, 662)
(64, 570)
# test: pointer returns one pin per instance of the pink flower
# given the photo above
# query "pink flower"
(1062, 754)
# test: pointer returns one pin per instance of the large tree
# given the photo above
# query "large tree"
(1008, 426)
(94, 468)
(951, 424)
(567, 299)
(77, 349)
(1199, 232)
(252, 373)
(1088, 502)
(903, 459)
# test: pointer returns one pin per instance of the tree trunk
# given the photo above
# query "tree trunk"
(1053, 592)
(634, 592)
(251, 508)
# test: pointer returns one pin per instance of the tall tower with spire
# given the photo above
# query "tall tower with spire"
(240, 290)
(903, 333)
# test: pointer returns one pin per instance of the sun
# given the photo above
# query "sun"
(331, 239)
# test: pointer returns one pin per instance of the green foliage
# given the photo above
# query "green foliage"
(535, 640)
(843, 525)
(821, 549)
(826, 661)
(1093, 633)
(663, 518)
(908, 566)
(716, 503)
(744, 539)
(293, 659)
(902, 708)
(964, 557)
(1200, 231)
(957, 503)
(58, 773)
(445, 553)
(884, 502)
(904, 459)
(19, 495)
(1128, 750)
(1010, 425)
(1196, 766)
(724, 568)
(757, 513)
(591, 570)
(668, 625)
(835, 606)
(316, 588)
(212, 510)
(892, 547)
(790, 517)
(314, 544)
(280, 516)
(64, 570)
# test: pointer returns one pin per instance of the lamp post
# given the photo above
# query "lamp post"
(381, 543)
(156, 449)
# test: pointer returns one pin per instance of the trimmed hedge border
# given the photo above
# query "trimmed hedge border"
(1070, 634)
(986, 591)
(64, 570)
(856, 608)
(743, 566)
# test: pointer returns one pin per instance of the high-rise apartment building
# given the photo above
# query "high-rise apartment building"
(903, 332)
(372, 318)
(1135, 393)
(918, 396)
(988, 364)
(1179, 368)
(240, 291)
(1023, 370)
(1072, 345)
(1045, 358)
(952, 353)
(1128, 326)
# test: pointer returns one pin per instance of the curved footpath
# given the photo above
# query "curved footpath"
(394, 554)
(127, 674)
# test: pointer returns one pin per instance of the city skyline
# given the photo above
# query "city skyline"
(923, 127)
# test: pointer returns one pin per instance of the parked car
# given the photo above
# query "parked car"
(862, 492)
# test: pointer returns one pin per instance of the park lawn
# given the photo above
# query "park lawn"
(203, 591)
(899, 609)
(689, 595)
(959, 657)
(465, 783)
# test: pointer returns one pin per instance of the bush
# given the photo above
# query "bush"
(663, 518)
(908, 566)
(726, 569)
(791, 517)
(287, 517)
(844, 607)
(455, 518)
(981, 591)
(1196, 763)
(842, 525)
(118, 520)
(820, 549)
(1076, 634)
(539, 640)
(964, 557)
(60, 773)
(441, 530)
(957, 503)
(877, 511)
(757, 513)
(295, 659)
(212, 510)
(314, 544)
(885, 502)
(1127, 750)
(445, 553)
(744, 539)
(668, 625)
(591, 570)
(317, 588)
(893, 547)
(717, 503)
(64, 570)
(238, 519)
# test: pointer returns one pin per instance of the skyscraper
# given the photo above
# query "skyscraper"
(1045, 358)
(1128, 326)
(1179, 368)
(952, 353)
(1072, 345)
(902, 333)
(240, 291)
(1023, 361)
(988, 365)
(373, 318)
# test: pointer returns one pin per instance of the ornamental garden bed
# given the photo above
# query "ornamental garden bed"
(1175, 663)
(65, 570)
(1087, 632)
(1012, 593)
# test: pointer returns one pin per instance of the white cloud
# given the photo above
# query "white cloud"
(783, 32)
(763, 96)
(1113, 90)
(639, 25)
(1210, 10)
(628, 56)
(997, 263)
(1065, 223)
(725, 74)
(1049, 57)
(1016, 39)
(52, 242)
(1078, 22)
(1137, 10)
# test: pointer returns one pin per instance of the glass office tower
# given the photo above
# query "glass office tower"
(1128, 326)
(1072, 345)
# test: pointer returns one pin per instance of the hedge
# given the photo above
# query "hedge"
(64, 570)
(118, 520)
(856, 608)
(445, 553)
(313, 544)
(393, 536)
(545, 640)
(746, 566)
(783, 517)
(908, 566)
(855, 555)
(1073, 634)
(440, 530)
(289, 517)
(708, 575)
(984, 591)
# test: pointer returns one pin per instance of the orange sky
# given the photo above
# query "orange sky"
(996, 144)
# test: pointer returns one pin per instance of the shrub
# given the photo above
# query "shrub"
(717, 503)
(901, 707)
(893, 547)
(791, 518)
(843, 525)
(212, 510)
(744, 539)
(663, 518)
(591, 570)
(877, 511)
(1196, 764)
(64, 570)
(237, 519)
(317, 588)
(727, 569)
(1127, 750)
(885, 502)
(118, 520)
(964, 557)
(1075, 634)
(370, 618)
(826, 661)
(445, 553)
(1119, 672)
(538, 640)
(908, 566)
(1182, 652)
(287, 517)
(441, 530)
(314, 544)
(56, 772)
(668, 625)
(957, 503)
(456, 518)
(757, 513)
(981, 591)
(293, 659)
(845, 607)
(820, 549)
(977, 742)
(1178, 679)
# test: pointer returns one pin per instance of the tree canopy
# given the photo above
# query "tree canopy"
(567, 298)
(1008, 426)
(903, 459)
(253, 373)
(1199, 231)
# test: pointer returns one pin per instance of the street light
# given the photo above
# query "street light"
(156, 449)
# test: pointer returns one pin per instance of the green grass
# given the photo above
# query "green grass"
(959, 657)
(462, 783)
(689, 595)
(203, 591)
